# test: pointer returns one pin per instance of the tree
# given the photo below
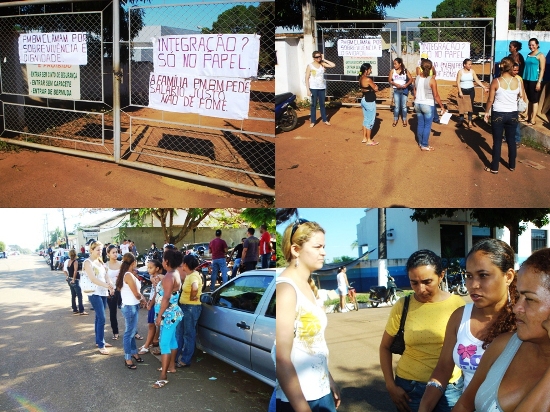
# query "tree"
(509, 218)
(259, 215)
(2, 246)
(342, 259)
(288, 13)
(281, 261)
(55, 236)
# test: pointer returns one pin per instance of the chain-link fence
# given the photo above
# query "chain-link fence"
(403, 38)
(240, 151)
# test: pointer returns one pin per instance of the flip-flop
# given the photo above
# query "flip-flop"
(143, 350)
(427, 149)
(487, 169)
(103, 351)
(394, 124)
(160, 370)
(138, 336)
(115, 337)
(138, 359)
(160, 383)
(182, 365)
(373, 143)
(405, 124)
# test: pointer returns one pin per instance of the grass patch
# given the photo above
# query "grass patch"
(533, 144)
(7, 147)
(306, 104)
(363, 298)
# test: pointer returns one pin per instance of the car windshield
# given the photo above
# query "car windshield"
(244, 293)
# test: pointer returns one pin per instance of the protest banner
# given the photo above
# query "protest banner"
(231, 55)
(360, 47)
(54, 81)
(352, 65)
(53, 48)
(447, 57)
(223, 97)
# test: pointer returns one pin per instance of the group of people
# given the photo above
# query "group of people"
(491, 354)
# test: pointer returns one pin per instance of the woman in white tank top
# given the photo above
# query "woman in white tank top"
(465, 79)
(502, 106)
(113, 301)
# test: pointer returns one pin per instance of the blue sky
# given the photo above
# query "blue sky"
(412, 9)
(340, 227)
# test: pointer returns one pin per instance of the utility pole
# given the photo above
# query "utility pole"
(519, 14)
(65, 228)
(382, 251)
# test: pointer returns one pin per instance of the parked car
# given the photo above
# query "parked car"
(237, 323)
(59, 258)
(202, 249)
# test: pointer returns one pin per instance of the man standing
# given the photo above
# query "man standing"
(133, 248)
(124, 248)
(251, 251)
(238, 257)
(50, 253)
(218, 249)
(265, 246)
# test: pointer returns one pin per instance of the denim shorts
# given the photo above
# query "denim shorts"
(324, 404)
(415, 390)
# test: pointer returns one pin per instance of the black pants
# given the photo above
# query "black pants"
(249, 266)
(114, 301)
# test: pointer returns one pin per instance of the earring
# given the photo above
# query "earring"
(509, 300)
(296, 263)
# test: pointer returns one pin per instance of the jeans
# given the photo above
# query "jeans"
(369, 113)
(99, 303)
(265, 260)
(415, 390)
(435, 113)
(318, 95)
(425, 116)
(236, 267)
(188, 327)
(504, 123)
(324, 404)
(76, 292)
(518, 134)
(400, 99)
(131, 316)
(113, 301)
(218, 265)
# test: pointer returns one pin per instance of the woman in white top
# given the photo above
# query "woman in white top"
(113, 301)
(94, 268)
(502, 106)
(491, 283)
(316, 85)
(128, 285)
(400, 79)
(343, 286)
(304, 382)
(465, 79)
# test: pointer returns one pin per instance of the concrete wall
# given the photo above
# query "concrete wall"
(291, 65)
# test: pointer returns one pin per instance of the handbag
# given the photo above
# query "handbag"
(398, 344)
(86, 285)
(522, 106)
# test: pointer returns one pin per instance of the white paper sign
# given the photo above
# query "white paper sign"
(53, 48)
(360, 47)
(352, 65)
(230, 55)
(54, 81)
(447, 57)
(223, 97)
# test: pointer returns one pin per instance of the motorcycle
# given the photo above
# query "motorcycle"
(146, 284)
(455, 282)
(285, 111)
(384, 294)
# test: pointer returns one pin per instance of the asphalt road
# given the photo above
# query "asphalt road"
(49, 361)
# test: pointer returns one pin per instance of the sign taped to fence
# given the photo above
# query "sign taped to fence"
(231, 55)
(352, 65)
(53, 48)
(54, 81)
(223, 97)
(360, 47)
(447, 57)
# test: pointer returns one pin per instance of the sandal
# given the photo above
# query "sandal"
(327, 123)
(103, 351)
(160, 370)
(373, 143)
(182, 365)
(130, 365)
(115, 337)
(84, 313)
(488, 169)
(405, 124)
(394, 123)
(138, 336)
(531, 123)
(427, 149)
(143, 350)
(155, 352)
(160, 383)
(138, 359)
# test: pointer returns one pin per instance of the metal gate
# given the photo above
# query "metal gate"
(401, 38)
(110, 119)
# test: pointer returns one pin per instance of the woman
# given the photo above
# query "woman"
(428, 313)
(465, 82)
(304, 382)
(155, 270)
(535, 64)
(316, 85)
(94, 268)
(113, 301)
(514, 48)
(425, 91)
(513, 374)
(190, 304)
(128, 286)
(169, 315)
(490, 279)
(400, 80)
(74, 279)
(502, 105)
(368, 102)
(343, 286)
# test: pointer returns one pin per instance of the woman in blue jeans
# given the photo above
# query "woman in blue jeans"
(190, 304)
(94, 268)
(316, 85)
(132, 299)
(400, 79)
(502, 106)
(425, 92)
(368, 103)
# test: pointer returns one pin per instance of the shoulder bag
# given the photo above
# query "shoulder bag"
(398, 344)
(86, 285)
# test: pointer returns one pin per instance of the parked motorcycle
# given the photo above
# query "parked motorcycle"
(146, 284)
(455, 282)
(285, 111)
(384, 294)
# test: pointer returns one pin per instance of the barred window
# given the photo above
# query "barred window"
(538, 239)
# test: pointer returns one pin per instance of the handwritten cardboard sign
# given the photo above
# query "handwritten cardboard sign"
(447, 57)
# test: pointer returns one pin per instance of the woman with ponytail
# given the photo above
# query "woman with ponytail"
(368, 103)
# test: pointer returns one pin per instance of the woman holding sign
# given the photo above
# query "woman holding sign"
(316, 85)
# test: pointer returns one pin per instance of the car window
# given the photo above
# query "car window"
(244, 293)
(270, 312)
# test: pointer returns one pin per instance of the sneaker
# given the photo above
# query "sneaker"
(84, 313)
(344, 310)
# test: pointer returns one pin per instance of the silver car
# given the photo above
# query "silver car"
(237, 323)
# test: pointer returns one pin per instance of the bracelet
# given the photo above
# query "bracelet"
(436, 385)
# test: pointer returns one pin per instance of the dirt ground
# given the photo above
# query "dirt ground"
(327, 166)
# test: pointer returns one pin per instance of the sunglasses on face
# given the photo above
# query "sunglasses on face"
(295, 227)
(316, 57)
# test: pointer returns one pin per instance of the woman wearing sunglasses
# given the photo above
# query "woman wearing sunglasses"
(316, 85)
(304, 382)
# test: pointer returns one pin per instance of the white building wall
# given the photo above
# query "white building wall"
(291, 65)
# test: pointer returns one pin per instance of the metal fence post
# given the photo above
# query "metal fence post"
(117, 78)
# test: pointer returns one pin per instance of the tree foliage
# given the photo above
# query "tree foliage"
(2, 246)
(342, 259)
(259, 215)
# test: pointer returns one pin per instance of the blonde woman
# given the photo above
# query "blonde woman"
(113, 301)
(94, 268)
(301, 323)
(316, 85)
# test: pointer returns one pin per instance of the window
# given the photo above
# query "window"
(244, 293)
(270, 312)
(538, 239)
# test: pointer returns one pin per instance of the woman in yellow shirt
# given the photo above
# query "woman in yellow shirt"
(428, 313)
